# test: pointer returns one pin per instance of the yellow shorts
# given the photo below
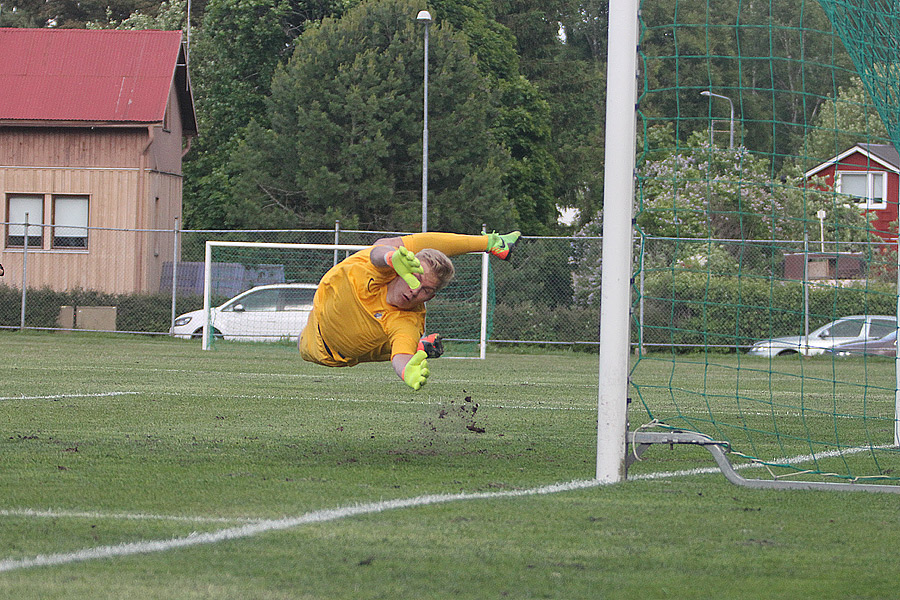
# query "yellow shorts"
(313, 348)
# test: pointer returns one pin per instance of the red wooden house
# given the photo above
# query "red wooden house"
(871, 174)
(93, 128)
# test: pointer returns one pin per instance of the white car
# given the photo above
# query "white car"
(856, 328)
(266, 313)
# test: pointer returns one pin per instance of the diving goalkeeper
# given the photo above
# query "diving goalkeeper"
(371, 306)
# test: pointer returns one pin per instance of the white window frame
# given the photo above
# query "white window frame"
(15, 218)
(870, 201)
(71, 223)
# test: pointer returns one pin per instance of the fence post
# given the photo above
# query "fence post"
(337, 237)
(485, 266)
(24, 276)
(175, 232)
(641, 302)
(896, 356)
(806, 287)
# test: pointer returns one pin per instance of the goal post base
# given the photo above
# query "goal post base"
(641, 441)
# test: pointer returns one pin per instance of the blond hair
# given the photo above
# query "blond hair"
(439, 264)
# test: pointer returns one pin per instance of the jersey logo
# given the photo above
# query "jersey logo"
(379, 314)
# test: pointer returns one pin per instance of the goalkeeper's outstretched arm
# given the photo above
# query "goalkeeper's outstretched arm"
(411, 368)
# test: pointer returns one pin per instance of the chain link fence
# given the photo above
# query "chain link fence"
(532, 298)
(687, 293)
(727, 294)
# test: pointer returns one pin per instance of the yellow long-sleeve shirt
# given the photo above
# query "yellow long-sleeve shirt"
(351, 320)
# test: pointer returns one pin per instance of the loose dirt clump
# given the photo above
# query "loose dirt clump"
(463, 413)
(448, 428)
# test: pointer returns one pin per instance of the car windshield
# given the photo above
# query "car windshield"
(844, 329)
(258, 301)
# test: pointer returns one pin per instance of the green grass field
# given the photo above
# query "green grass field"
(145, 468)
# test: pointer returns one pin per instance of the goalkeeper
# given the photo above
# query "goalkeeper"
(371, 306)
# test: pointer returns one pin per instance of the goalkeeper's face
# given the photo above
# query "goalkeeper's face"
(400, 295)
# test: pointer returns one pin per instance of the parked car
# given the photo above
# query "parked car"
(886, 346)
(265, 313)
(856, 328)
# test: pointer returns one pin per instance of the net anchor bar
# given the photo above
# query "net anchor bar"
(641, 441)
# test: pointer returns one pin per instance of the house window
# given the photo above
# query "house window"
(19, 210)
(70, 221)
(867, 186)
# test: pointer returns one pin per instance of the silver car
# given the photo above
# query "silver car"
(886, 346)
(856, 328)
(266, 313)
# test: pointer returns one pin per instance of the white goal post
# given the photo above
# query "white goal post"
(618, 199)
(335, 248)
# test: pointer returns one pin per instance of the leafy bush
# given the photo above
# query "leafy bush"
(684, 308)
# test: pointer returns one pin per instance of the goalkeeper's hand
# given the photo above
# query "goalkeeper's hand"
(415, 373)
(405, 264)
(432, 345)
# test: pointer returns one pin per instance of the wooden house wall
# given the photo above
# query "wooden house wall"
(165, 152)
(115, 261)
(133, 181)
(72, 147)
(108, 263)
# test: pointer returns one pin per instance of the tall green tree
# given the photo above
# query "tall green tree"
(523, 120)
(561, 45)
(344, 134)
(233, 58)
(66, 14)
(168, 16)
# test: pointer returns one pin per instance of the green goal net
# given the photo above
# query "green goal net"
(765, 278)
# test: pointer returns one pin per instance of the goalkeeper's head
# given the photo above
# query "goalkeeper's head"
(438, 271)
(439, 264)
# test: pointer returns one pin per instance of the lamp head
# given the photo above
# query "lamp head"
(423, 17)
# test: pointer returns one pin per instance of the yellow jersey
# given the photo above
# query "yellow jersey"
(351, 320)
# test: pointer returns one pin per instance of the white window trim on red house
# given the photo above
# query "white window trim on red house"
(876, 191)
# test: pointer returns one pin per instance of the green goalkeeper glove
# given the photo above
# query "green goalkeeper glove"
(405, 264)
(415, 373)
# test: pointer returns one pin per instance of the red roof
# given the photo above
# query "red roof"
(97, 76)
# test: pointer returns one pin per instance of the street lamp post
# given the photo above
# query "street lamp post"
(425, 17)
(731, 104)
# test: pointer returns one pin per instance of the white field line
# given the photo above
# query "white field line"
(63, 396)
(254, 529)
(321, 516)
(551, 407)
